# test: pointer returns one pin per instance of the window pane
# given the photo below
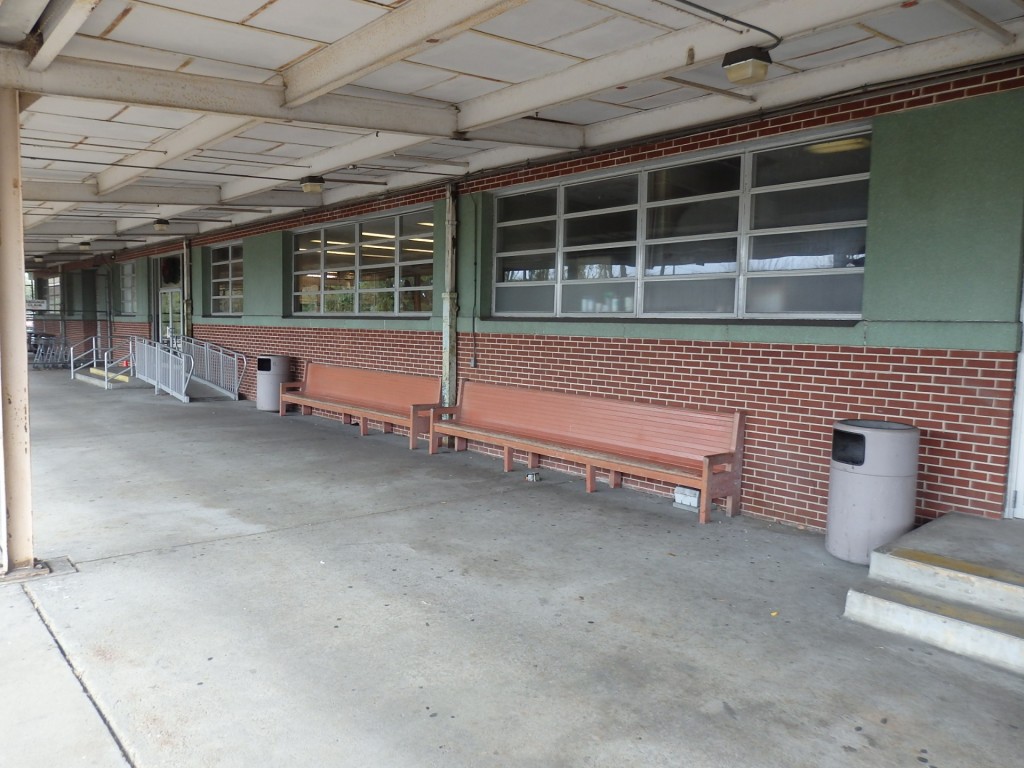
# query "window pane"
(419, 224)
(377, 254)
(527, 237)
(531, 205)
(219, 254)
(220, 271)
(838, 293)
(377, 278)
(339, 281)
(598, 297)
(416, 301)
(307, 262)
(699, 218)
(694, 257)
(306, 303)
(606, 193)
(811, 205)
(694, 180)
(339, 302)
(821, 160)
(514, 269)
(419, 249)
(604, 228)
(377, 302)
(236, 306)
(378, 229)
(603, 263)
(307, 283)
(532, 298)
(221, 305)
(416, 275)
(237, 268)
(339, 258)
(307, 241)
(821, 249)
(340, 236)
(690, 296)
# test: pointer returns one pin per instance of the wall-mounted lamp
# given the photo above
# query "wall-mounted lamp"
(161, 225)
(312, 184)
(747, 66)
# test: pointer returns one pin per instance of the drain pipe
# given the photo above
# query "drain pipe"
(450, 302)
(186, 287)
(16, 545)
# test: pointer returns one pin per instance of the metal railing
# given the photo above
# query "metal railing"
(221, 368)
(166, 369)
(113, 360)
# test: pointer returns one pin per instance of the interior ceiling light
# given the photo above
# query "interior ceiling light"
(840, 145)
(312, 185)
(161, 225)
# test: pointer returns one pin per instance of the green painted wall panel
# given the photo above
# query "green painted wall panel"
(263, 259)
(945, 213)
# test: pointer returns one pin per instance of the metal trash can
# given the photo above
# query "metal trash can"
(872, 486)
(271, 372)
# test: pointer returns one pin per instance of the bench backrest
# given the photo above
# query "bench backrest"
(380, 389)
(646, 431)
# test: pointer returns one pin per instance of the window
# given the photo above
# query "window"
(53, 294)
(126, 288)
(226, 280)
(383, 265)
(763, 233)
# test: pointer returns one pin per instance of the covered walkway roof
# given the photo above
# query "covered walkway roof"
(210, 114)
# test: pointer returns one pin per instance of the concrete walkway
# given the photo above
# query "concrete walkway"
(255, 591)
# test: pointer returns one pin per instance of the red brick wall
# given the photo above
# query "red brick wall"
(792, 394)
(125, 328)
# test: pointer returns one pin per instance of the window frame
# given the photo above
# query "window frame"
(127, 288)
(743, 275)
(232, 255)
(363, 275)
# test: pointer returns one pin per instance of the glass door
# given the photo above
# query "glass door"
(172, 315)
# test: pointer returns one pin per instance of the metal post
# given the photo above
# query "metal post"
(17, 471)
(450, 305)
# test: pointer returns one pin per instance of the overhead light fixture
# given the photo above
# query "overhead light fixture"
(37, 259)
(312, 185)
(839, 145)
(161, 225)
(747, 66)
(85, 245)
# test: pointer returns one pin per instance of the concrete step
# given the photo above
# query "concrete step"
(95, 377)
(991, 636)
(944, 577)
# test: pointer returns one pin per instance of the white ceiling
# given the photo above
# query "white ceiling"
(208, 113)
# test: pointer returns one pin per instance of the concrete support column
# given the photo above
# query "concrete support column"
(450, 305)
(17, 472)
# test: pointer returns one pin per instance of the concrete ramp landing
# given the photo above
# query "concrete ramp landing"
(956, 583)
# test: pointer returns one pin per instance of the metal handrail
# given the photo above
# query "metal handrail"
(85, 354)
(115, 360)
(166, 369)
(219, 367)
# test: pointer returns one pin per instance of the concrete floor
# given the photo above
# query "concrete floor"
(250, 590)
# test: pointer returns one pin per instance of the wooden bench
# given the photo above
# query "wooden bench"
(390, 398)
(695, 449)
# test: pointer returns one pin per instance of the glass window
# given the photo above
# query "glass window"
(380, 265)
(53, 292)
(226, 280)
(759, 233)
(126, 288)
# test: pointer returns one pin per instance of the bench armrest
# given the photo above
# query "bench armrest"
(418, 408)
(717, 459)
(437, 412)
(289, 386)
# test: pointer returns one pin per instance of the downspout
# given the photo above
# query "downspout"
(186, 287)
(450, 302)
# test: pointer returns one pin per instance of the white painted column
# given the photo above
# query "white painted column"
(17, 470)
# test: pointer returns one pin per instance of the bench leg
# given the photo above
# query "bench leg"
(507, 456)
(432, 441)
(591, 476)
(307, 410)
(732, 505)
(532, 460)
(704, 515)
(388, 428)
(364, 426)
(461, 443)
(346, 418)
(614, 479)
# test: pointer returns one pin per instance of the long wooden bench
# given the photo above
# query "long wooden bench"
(391, 398)
(692, 448)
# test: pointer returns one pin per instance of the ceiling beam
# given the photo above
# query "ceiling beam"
(141, 194)
(197, 134)
(396, 35)
(917, 60)
(18, 19)
(663, 55)
(979, 20)
(58, 24)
